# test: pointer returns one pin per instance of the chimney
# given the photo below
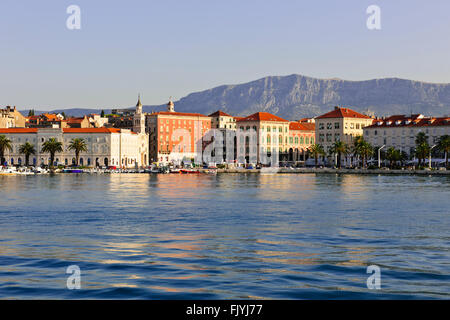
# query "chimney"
(336, 108)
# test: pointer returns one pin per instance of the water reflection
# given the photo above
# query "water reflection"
(224, 236)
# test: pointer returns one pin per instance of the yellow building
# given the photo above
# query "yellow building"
(341, 124)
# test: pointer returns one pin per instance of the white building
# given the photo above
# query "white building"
(400, 131)
(106, 146)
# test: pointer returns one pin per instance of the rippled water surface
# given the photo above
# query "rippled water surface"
(226, 236)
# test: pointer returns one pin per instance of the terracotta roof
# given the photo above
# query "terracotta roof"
(91, 130)
(238, 118)
(263, 116)
(167, 113)
(413, 121)
(343, 113)
(219, 113)
(18, 130)
(302, 126)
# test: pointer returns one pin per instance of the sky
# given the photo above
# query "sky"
(172, 48)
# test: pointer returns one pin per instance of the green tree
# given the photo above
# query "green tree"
(422, 147)
(64, 115)
(5, 144)
(339, 148)
(102, 114)
(27, 149)
(444, 146)
(30, 112)
(316, 150)
(78, 145)
(393, 155)
(365, 150)
(52, 146)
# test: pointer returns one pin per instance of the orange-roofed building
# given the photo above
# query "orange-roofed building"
(222, 120)
(301, 137)
(340, 124)
(105, 146)
(175, 137)
(400, 131)
(272, 134)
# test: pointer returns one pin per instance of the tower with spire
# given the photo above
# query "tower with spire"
(170, 105)
(139, 118)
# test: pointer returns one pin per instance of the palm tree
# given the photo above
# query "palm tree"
(365, 149)
(5, 144)
(422, 147)
(78, 145)
(355, 148)
(444, 146)
(316, 150)
(52, 146)
(339, 148)
(27, 149)
(393, 155)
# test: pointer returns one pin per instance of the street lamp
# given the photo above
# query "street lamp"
(379, 156)
(429, 160)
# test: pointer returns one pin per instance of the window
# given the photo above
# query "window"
(321, 126)
(357, 126)
(291, 140)
(329, 126)
(307, 140)
(352, 126)
(336, 125)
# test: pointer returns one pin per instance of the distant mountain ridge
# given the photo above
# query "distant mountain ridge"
(296, 96)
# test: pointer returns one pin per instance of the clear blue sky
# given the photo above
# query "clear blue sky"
(172, 48)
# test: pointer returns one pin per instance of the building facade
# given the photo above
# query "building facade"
(341, 124)
(11, 118)
(400, 131)
(176, 136)
(106, 146)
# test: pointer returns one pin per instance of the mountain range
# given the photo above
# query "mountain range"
(296, 96)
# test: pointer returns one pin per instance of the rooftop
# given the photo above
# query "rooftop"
(263, 116)
(343, 113)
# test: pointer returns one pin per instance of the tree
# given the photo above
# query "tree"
(102, 114)
(422, 147)
(27, 149)
(52, 146)
(365, 150)
(78, 145)
(316, 150)
(444, 146)
(339, 148)
(64, 115)
(5, 144)
(393, 155)
(30, 112)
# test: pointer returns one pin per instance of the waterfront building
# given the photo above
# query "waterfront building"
(175, 136)
(400, 131)
(106, 146)
(301, 137)
(262, 133)
(11, 118)
(340, 124)
(222, 120)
